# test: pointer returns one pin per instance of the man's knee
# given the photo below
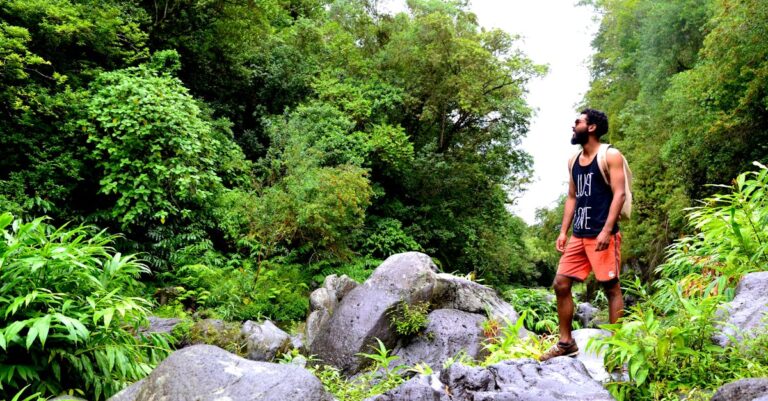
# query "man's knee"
(612, 288)
(562, 285)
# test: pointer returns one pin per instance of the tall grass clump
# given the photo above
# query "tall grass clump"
(68, 320)
(665, 340)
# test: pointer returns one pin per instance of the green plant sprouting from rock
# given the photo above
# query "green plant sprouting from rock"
(409, 319)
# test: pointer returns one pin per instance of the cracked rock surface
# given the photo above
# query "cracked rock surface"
(340, 328)
(205, 372)
(563, 379)
(747, 312)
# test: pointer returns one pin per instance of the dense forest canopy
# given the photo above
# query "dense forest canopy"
(243, 150)
(314, 130)
(684, 84)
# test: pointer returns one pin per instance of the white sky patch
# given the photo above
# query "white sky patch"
(557, 33)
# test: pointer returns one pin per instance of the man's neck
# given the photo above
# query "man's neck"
(590, 148)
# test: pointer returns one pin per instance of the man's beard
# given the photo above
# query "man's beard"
(579, 138)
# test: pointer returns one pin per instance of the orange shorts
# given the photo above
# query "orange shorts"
(580, 258)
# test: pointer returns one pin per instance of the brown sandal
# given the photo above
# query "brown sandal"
(560, 349)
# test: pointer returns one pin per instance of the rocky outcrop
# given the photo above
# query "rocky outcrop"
(204, 372)
(563, 379)
(743, 390)
(337, 333)
(458, 293)
(557, 379)
(448, 333)
(746, 313)
(264, 341)
(323, 302)
(419, 388)
(361, 316)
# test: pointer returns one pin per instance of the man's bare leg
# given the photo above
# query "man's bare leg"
(562, 286)
(615, 300)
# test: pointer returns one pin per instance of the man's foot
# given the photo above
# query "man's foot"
(560, 349)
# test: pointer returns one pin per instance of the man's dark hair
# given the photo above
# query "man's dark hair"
(598, 118)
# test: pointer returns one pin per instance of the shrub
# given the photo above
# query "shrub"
(408, 320)
(386, 237)
(509, 345)
(378, 378)
(155, 149)
(358, 269)
(67, 320)
(665, 340)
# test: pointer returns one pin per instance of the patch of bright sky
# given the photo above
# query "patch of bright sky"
(557, 33)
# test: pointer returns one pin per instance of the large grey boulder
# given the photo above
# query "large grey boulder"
(323, 302)
(743, 390)
(560, 378)
(361, 316)
(453, 292)
(204, 372)
(317, 322)
(592, 360)
(746, 313)
(264, 341)
(338, 334)
(448, 333)
(463, 382)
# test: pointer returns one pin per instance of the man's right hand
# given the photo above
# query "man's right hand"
(561, 241)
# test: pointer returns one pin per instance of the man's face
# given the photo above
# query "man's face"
(580, 131)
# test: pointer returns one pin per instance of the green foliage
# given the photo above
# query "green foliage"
(244, 292)
(673, 353)
(385, 237)
(409, 320)
(152, 142)
(341, 112)
(68, 315)
(358, 269)
(378, 378)
(33, 397)
(540, 241)
(665, 340)
(508, 344)
(731, 238)
(641, 46)
(722, 99)
(50, 51)
(538, 308)
(248, 59)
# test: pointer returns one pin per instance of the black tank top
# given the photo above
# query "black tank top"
(593, 200)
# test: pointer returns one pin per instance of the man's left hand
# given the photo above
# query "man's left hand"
(603, 240)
